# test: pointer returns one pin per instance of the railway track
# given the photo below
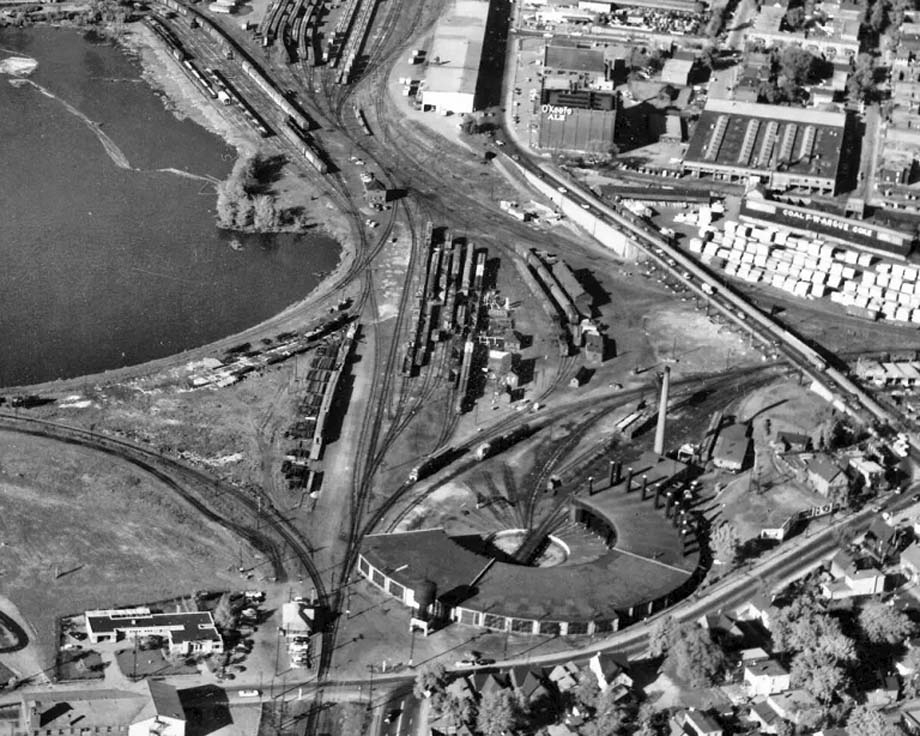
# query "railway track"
(180, 478)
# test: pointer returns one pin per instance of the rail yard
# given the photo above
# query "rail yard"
(520, 427)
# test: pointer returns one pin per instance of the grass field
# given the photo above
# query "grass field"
(80, 530)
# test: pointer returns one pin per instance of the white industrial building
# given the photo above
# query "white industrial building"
(453, 62)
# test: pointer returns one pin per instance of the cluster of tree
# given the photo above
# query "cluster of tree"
(820, 652)
(863, 81)
(791, 68)
(725, 544)
(881, 16)
(495, 714)
(717, 19)
(240, 203)
(689, 649)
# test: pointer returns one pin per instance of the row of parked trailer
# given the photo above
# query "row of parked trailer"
(321, 381)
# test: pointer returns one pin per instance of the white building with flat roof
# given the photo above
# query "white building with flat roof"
(453, 62)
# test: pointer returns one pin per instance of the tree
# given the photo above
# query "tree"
(226, 206)
(458, 710)
(660, 636)
(695, 656)
(878, 16)
(586, 691)
(861, 83)
(609, 718)
(429, 679)
(795, 18)
(498, 713)
(244, 213)
(725, 544)
(265, 215)
(882, 624)
(224, 614)
(797, 65)
(818, 673)
(867, 722)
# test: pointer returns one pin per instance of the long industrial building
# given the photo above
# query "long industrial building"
(452, 76)
(784, 147)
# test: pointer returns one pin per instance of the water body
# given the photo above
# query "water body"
(109, 255)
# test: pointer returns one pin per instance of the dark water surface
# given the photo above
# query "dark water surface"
(103, 266)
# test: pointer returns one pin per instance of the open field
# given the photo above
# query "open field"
(84, 530)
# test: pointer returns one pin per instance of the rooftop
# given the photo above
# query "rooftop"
(571, 59)
(456, 51)
(758, 137)
(646, 562)
(183, 627)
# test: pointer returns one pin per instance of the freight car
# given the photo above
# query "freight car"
(305, 143)
(434, 463)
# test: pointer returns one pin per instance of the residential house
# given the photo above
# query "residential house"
(609, 671)
(560, 729)
(722, 628)
(853, 577)
(528, 682)
(564, 676)
(883, 541)
(792, 705)
(792, 442)
(766, 718)
(872, 472)
(826, 477)
(694, 723)
(910, 560)
(162, 714)
(766, 677)
(758, 608)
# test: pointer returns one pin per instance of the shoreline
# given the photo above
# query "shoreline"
(182, 99)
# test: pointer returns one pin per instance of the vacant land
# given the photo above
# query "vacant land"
(79, 530)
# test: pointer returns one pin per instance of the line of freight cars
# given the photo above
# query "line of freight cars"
(226, 88)
(297, 118)
(440, 460)
(362, 120)
(356, 40)
(444, 298)
(339, 37)
(322, 380)
(306, 144)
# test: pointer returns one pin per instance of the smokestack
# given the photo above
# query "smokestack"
(590, 484)
(613, 473)
(657, 494)
(662, 411)
(629, 475)
(669, 501)
(644, 485)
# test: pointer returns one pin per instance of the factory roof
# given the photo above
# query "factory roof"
(456, 51)
(754, 136)
(573, 59)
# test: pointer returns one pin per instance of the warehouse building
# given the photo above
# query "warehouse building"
(781, 147)
(452, 75)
